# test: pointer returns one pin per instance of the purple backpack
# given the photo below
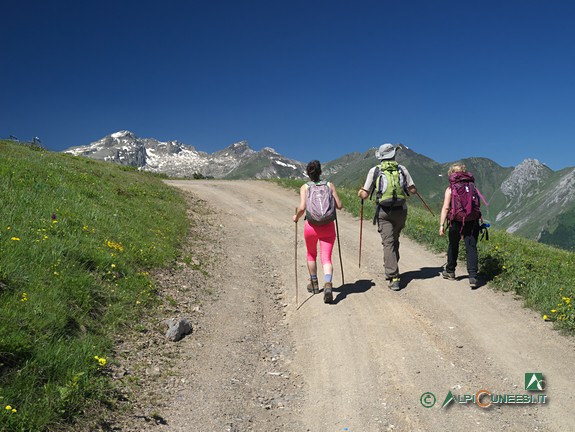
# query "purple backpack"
(464, 198)
(319, 203)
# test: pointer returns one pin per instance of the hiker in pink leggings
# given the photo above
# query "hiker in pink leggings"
(318, 200)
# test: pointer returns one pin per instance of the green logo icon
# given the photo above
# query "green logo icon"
(534, 381)
(448, 399)
(427, 399)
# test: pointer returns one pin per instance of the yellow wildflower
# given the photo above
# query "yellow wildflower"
(101, 360)
(113, 245)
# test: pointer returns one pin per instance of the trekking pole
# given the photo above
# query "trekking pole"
(426, 206)
(295, 264)
(401, 147)
(339, 250)
(360, 230)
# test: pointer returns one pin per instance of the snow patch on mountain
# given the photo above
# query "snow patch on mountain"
(281, 163)
(180, 160)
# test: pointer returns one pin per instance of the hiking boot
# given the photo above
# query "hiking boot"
(313, 286)
(327, 294)
(394, 284)
(473, 282)
(448, 275)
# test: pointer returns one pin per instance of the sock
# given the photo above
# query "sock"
(327, 278)
(313, 277)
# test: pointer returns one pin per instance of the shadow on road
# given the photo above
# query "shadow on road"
(422, 273)
(358, 287)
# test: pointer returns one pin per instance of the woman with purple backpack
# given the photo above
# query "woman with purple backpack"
(461, 208)
(319, 201)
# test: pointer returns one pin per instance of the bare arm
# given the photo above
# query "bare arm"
(362, 193)
(444, 210)
(301, 208)
(335, 196)
(368, 185)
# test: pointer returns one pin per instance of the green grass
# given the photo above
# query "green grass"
(77, 238)
(543, 276)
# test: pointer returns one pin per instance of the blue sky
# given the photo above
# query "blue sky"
(312, 79)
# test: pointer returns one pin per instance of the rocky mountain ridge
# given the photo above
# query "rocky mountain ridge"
(176, 159)
(530, 199)
(527, 174)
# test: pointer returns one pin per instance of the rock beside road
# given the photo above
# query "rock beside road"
(177, 328)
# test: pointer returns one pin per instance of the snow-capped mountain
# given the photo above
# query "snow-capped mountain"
(529, 200)
(180, 160)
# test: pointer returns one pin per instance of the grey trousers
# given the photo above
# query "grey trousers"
(390, 222)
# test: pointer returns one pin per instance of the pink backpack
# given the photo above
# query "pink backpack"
(465, 197)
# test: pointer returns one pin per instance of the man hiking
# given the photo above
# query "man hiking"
(392, 184)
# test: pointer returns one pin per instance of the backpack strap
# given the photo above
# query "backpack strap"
(403, 180)
(484, 232)
(373, 187)
(374, 181)
(481, 196)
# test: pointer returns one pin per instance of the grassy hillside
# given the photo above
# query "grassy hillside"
(429, 176)
(77, 238)
(349, 170)
(543, 276)
(561, 232)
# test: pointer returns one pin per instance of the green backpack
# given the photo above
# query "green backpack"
(390, 185)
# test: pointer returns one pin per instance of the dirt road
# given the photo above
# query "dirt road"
(365, 362)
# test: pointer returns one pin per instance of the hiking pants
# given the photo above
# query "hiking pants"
(390, 222)
(469, 233)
